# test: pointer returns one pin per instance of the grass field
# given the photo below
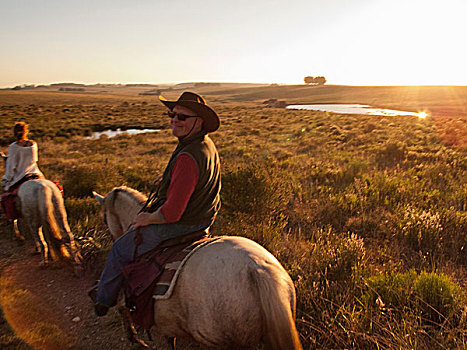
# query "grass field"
(367, 214)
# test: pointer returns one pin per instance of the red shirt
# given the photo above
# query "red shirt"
(184, 177)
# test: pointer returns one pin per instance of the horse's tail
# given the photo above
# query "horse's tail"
(277, 297)
(70, 248)
(50, 227)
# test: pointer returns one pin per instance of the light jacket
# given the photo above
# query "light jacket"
(21, 161)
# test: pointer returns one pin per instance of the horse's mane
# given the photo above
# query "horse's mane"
(120, 206)
(136, 196)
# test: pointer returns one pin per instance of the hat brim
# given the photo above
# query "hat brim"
(210, 118)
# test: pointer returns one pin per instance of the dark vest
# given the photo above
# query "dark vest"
(204, 203)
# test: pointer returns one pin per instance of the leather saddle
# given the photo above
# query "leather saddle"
(141, 276)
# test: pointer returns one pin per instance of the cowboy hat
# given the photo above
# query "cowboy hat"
(198, 105)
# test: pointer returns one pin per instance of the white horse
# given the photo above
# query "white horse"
(43, 213)
(42, 209)
(230, 294)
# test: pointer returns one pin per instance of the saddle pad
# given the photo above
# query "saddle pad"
(153, 276)
(9, 206)
(166, 281)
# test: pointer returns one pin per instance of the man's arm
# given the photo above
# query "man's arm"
(184, 178)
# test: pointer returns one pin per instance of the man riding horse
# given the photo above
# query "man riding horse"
(187, 199)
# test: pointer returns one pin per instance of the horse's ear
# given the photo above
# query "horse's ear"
(98, 197)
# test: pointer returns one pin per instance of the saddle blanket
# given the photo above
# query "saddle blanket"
(154, 277)
(166, 282)
(8, 199)
(9, 206)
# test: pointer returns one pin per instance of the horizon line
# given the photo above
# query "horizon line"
(32, 85)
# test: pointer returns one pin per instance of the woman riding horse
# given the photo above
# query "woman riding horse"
(188, 197)
(42, 206)
(21, 164)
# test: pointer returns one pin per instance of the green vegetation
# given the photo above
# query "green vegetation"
(367, 214)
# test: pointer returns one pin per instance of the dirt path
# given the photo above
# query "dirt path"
(48, 308)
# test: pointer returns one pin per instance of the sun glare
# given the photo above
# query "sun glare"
(422, 115)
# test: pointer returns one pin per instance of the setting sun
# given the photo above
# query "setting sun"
(361, 42)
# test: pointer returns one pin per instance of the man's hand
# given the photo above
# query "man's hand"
(144, 219)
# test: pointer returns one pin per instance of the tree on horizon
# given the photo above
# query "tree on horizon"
(309, 80)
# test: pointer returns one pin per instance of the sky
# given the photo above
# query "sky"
(349, 42)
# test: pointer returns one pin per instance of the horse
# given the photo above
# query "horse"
(230, 294)
(43, 213)
(42, 209)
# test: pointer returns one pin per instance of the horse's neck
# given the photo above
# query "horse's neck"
(126, 214)
(125, 210)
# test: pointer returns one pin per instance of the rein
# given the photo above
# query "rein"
(151, 198)
(152, 195)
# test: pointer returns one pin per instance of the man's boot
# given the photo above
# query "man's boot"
(99, 309)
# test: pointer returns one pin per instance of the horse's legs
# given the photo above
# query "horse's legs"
(172, 343)
(19, 237)
(44, 248)
(131, 332)
(71, 249)
(129, 329)
(22, 226)
(31, 228)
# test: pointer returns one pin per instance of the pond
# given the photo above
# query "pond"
(113, 133)
(357, 109)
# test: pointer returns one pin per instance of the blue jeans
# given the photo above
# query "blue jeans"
(122, 251)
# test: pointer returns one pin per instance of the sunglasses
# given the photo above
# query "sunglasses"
(180, 116)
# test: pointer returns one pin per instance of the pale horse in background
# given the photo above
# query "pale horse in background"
(230, 294)
(43, 215)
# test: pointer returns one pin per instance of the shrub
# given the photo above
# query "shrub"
(421, 230)
(136, 179)
(258, 190)
(337, 258)
(392, 291)
(83, 214)
(265, 233)
(327, 270)
(432, 296)
(79, 181)
(326, 266)
(390, 154)
(454, 236)
(438, 298)
(89, 231)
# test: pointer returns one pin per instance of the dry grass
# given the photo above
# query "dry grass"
(340, 200)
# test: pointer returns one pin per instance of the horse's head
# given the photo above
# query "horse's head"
(114, 228)
(98, 197)
(4, 156)
(119, 208)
